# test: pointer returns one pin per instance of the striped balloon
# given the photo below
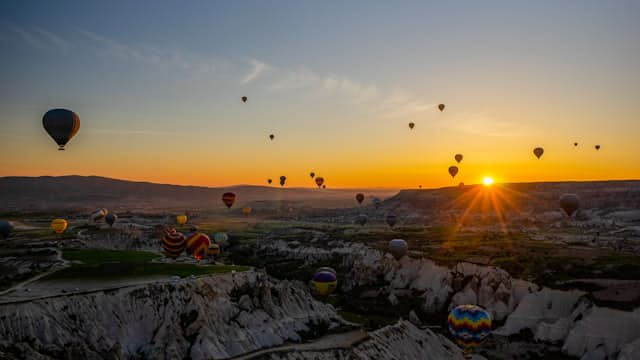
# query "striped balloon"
(469, 325)
(173, 243)
(198, 245)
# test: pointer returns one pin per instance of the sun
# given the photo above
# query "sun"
(487, 181)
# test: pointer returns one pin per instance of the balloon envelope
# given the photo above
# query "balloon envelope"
(59, 225)
(271, 136)
(62, 125)
(398, 248)
(181, 219)
(597, 147)
(99, 214)
(111, 218)
(5, 229)
(319, 181)
(453, 170)
(229, 199)
(411, 125)
(244, 99)
(283, 179)
(221, 238)
(469, 324)
(458, 158)
(312, 174)
(359, 198)
(173, 243)
(269, 181)
(569, 203)
(246, 211)
(441, 107)
(538, 152)
(324, 283)
(198, 245)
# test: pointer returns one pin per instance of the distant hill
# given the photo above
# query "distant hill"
(516, 197)
(89, 192)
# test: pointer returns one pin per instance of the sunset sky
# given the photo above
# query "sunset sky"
(157, 86)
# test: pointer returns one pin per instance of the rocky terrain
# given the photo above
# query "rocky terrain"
(209, 317)
(566, 319)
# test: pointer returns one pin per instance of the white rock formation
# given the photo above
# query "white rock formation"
(210, 317)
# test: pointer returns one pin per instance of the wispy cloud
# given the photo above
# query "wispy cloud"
(149, 54)
(480, 124)
(386, 103)
(257, 68)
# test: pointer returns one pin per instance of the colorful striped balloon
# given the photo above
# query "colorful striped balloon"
(469, 324)
(173, 243)
(198, 245)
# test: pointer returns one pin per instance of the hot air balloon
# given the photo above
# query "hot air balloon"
(269, 181)
(376, 203)
(453, 170)
(391, 219)
(283, 179)
(181, 219)
(244, 99)
(173, 243)
(575, 144)
(398, 248)
(229, 199)
(569, 203)
(271, 136)
(5, 229)
(324, 283)
(359, 198)
(411, 125)
(99, 214)
(361, 219)
(312, 174)
(221, 238)
(246, 211)
(62, 125)
(441, 107)
(111, 218)
(214, 249)
(597, 147)
(198, 245)
(59, 225)
(319, 181)
(458, 158)
(538, 152)
(470, 325)
(324, 186)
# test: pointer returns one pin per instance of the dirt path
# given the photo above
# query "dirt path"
(335, 341)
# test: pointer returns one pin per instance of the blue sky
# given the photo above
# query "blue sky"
(337, 82)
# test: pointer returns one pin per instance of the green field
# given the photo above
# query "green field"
(115, 264)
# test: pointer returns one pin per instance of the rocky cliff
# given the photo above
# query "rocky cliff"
(213, 317)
